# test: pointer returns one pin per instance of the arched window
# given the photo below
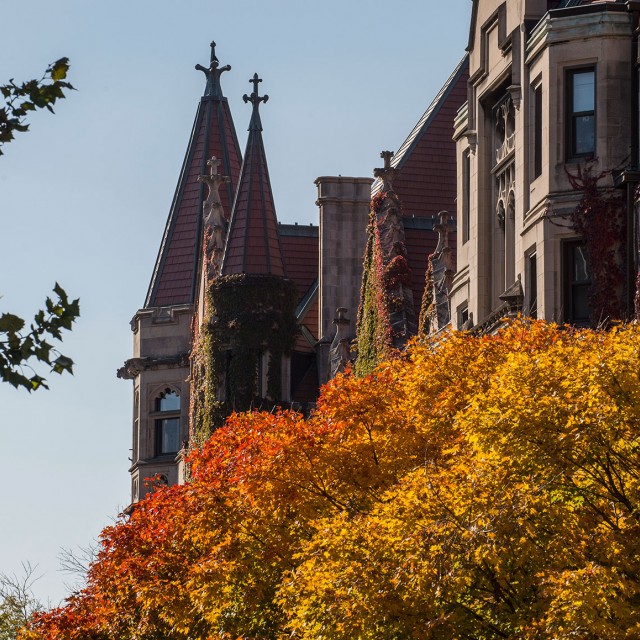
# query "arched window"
(167, 408)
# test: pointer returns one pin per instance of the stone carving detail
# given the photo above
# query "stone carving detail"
(504, 168)
(443, 270)
(215, 223)
(394, 253)
(505, 129)
(505, 193)
(135, 366)
(339, 350)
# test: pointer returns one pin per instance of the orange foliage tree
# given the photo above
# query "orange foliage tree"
(481, 487)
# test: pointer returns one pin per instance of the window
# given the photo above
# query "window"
(466, 195)
(581, 114)
(464, 317)
(577, 283)
(167, 423)
(532, 282)
(537, 131)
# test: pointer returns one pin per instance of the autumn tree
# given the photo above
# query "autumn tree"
(21, 347)
(17, 601)
(481, 487)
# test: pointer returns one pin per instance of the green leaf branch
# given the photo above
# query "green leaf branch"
(20, 349)
(20, 99)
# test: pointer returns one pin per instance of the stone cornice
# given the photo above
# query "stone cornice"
(556, 28)
(133, 367)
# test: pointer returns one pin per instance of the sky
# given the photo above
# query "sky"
(85, 194)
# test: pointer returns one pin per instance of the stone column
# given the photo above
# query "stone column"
(344, 213)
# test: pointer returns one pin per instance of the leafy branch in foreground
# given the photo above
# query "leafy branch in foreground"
(18, 349)
(20, 99)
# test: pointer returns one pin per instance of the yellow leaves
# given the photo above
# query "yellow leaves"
(481, 487)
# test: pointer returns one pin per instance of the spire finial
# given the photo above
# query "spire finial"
(387, 173)
(255, 100)
(213, 73)
(386, 156)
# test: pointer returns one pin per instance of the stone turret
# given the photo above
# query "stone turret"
(241, 357)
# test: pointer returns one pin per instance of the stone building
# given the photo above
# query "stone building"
(547, 150)
(531, 146)
(223, 248)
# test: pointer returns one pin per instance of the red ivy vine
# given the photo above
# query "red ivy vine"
(380, 295)
(599, 219)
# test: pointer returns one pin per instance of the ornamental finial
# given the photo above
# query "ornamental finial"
(255, 100)
(387, 173)
(213, 73)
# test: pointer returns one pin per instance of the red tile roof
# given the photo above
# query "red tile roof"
(300, 250)
(253, 244)
(213, 134)
(426, 183)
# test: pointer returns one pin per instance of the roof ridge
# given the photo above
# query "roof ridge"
(431, 112)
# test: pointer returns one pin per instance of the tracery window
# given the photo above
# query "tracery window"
(504, 176)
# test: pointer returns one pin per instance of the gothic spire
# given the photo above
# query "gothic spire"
(175, 276)
(253, 244)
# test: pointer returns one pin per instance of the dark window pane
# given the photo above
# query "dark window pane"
(168, 401)
(583, 91)
(537, 143)
(168, 436)
(466, 195)
(584, 134)
(580, 265)
(533, 286)
(580, 311)
(577, 283)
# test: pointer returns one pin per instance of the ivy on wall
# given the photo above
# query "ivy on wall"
(428, 307)
(381, 295)
(599, 218)
(245, 316)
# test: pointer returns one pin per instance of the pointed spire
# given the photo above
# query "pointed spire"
(255, 124)
(253, 244)
(175, 277)
(213, 73)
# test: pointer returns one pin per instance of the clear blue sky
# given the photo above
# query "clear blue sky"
(85, 194)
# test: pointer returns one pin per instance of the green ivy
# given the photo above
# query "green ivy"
(374, 334)
(245, 316)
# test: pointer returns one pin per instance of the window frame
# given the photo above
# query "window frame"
(570, 115)
(161, 419)
(569, 284)
(537, 145)
(466, 195)
(532, 294)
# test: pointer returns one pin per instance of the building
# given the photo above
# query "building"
(223, 248)
(547, 149)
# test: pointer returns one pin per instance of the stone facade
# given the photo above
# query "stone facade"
(550, 93)
(160, 364)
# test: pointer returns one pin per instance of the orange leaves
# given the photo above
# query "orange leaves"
(481, 487)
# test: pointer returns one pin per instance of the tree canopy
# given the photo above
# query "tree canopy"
(480, 487)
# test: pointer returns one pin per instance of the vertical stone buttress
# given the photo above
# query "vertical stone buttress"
(344, 210)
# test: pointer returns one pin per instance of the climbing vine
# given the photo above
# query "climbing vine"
(246, 316)
(428, 307)
(382, 292)
(599, 219)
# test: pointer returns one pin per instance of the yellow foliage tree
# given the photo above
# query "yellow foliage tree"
(480, 487)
